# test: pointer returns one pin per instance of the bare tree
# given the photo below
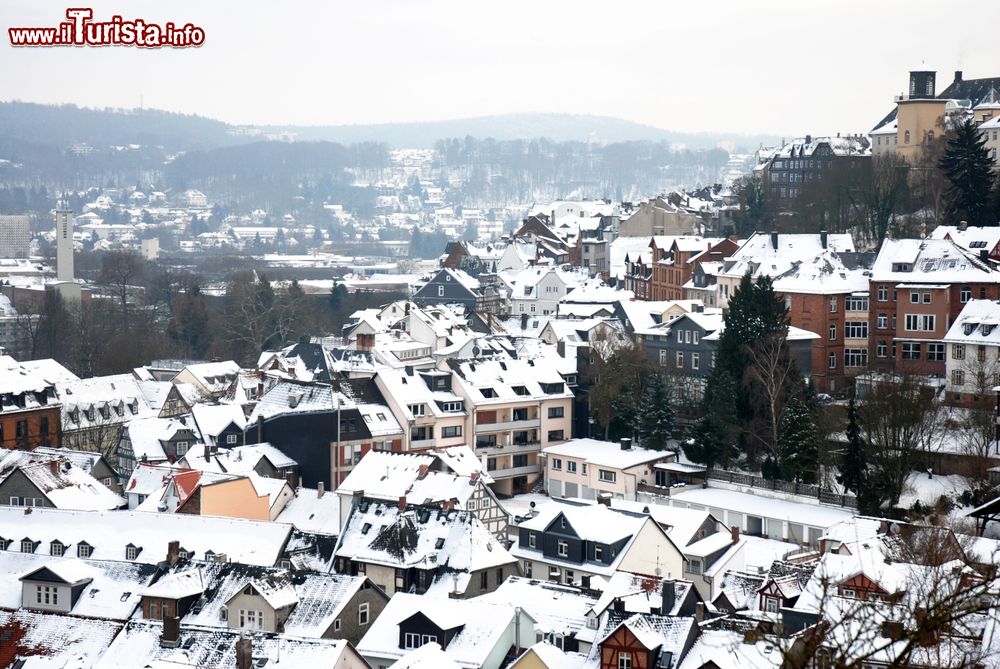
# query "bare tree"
(769, 376)
(120, 269)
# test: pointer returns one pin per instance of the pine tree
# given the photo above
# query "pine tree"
(711, 439)
(969, 169)
(799, 447)
(853, 468)
(656, 417)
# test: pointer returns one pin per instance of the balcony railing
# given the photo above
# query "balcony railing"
(514, 471)
(531, 423)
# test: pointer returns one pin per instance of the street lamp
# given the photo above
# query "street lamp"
(590, 427)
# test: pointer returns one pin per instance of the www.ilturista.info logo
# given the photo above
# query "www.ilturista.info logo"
(81, 30)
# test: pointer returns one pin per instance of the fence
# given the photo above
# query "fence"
(789, 487)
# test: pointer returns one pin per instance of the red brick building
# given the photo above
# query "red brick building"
(30, 412)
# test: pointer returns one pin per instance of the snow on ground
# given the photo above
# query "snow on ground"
(929, 489)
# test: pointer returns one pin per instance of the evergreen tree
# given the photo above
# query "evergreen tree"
(853, 468)
(656, 417)
(969, 169)
(799, 445)
(338, 292)
(711, 439)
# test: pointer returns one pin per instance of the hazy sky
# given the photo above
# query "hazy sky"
(775, 66)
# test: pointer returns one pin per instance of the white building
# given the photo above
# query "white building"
(973, 350)
(14, 236)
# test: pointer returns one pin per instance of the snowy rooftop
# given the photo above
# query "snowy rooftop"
(813, 515)
(929, 261)
(606, 453)
(556, 609)
(64, 641)
(308, 512)
(759, 256)
(61, 480)
(108, 533)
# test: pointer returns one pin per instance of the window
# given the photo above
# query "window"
(831, 360)
(695, 360)
(833, 304)
(606, 475)
(856, 329)
(958, 352)
(83, 550)
(251, 619)
(680, 337)
(568, 577)
(935, 352)
(231, 439)
(21, 429)
(958, 377)
(43, 425)
(694, 336)
(624, 660)
(771, 604)
(154, 608)
(880, 350)
(911, 350)
(363, 613)
(598, 553)
(557, 412)
(556, 435)
(966, 294)
(15, 501)
(882, 321)
(440, 291)
(571, 466)
(562, 549)
(484, 580)
(855, 357)
(906, 137)
(131, 552)
(679, 359)
(556, 463)
(981, 353)
(527, 568)
(45, 594)
(883, 294)
(914, 297)
(693, 567)
(833, 331)
(849, 592)
(27, 546)
(856, 303)
(927, 298)
(336, 625)
(532, 540)
(181, 447)
(451, 431)
(417, 409)
(56, 549)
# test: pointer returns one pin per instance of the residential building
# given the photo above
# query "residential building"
(572, 544)
(29, 406)
(421, 549)
(424, 402)
(593, 469)
(450, 286)
(473, 634)
(33, 479)
(660, 642)
(519, 406)
(792, 168)
(917, 289)
(15, 236)
(973, 352)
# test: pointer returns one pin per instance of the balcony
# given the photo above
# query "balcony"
(423, 443)
(511, 472)
(530, 424)
(509, 449)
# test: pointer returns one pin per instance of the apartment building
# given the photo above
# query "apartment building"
(422, 401)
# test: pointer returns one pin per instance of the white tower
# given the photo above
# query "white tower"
(64, 243)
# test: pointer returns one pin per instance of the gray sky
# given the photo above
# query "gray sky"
(774, 66)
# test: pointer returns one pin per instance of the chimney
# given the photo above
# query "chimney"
(699, 611)
(54, 466)
(244, 653)
(320, 489)
(260, 389)
(626, 444)
(402, 503)
(173, 552)
(171, 637)
(208, 451)
(409, 370)
(735, 530)
(958, 76)
(984, 255)
(604, 498)
(448, 505)
(774, 240)
(422, 472)
(963, 225)
(823, 238)
(260, 429)
(809, 139)
(668, 594)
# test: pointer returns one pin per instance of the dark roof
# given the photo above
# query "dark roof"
(966, 89)
(312, 356)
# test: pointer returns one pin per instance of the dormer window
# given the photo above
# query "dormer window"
(89, 414)
(519, 390)
(84, 550)
(105, 412)
(57, 548)
(132, 551)
(969, 328)
(74, 416)
(987, 329)
(27, 546)
(119, 411)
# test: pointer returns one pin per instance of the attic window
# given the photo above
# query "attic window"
(365, 528)
(27, 546)
(74, 416)
(439, 544)
(119, 411)
(133, 407)
(986, 329)
(519, 390)
(57, 548)
(132, 552)
(84, 550)
(488, 392)
(105, 412)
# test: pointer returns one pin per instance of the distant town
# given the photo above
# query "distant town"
(501, 404)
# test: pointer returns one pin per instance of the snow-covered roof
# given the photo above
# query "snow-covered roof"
(65, 484)
(214, 646)
(823, 274)
(813, 515)
(482, 625)
(148, 434)
(212, 419)
(177, 585)
(605, 453)
(63, 640)
(759, 256)
(503, 378)
(933, 261)
(101, 400)
(382, 534)
(111, 588)
(108, 533)
(428, 656)
(976, 324)
(556, 609)
(680, 524)
(308, 512)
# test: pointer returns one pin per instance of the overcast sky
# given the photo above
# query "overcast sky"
(750, 66)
